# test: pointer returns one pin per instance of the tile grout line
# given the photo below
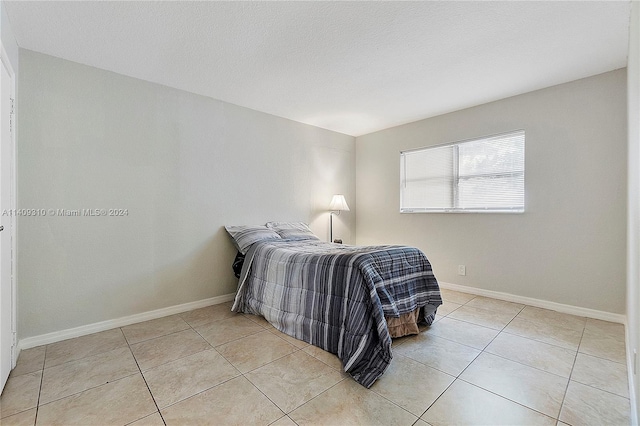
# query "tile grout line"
(145, 381)
(128, 345)
(566, 389)
(481, 351)
(316, 358)
(266, 396)
(392, 402)
(480, 325)
(455, 377)
(463, 344)
(508, 399)
(78, 360)
(35, 419)
(474, 323)
(519, 312)
(177, 359)
(484, 351)
(306, 402)
(436, 400)
(601, 390)
(511, 333)
(230, 341)
(90, 388)
(87, 356)
(277, 420)
(240, 374)
(153, 338)
(522, 337)
(468, 365)
(504, 330)
(204, 390)
(479, 387)
(197, 393)
(530, 366)
(243, 375)
(298, 349)
(318, 395)
(270, 362)
(601, 358)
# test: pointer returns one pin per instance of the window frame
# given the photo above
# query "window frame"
(456, 178)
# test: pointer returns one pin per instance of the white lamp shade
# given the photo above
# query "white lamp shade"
(338, 203)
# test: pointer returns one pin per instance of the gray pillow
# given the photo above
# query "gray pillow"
(293, 230)
(245, 235)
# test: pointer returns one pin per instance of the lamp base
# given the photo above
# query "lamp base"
(331, 213)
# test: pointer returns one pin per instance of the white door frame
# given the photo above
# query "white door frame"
(4, 58)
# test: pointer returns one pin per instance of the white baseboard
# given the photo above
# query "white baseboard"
(56, 336)
(559, 307)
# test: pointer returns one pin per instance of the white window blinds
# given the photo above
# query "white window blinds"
(481, 175)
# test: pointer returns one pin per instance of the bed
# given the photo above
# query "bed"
(347, 300)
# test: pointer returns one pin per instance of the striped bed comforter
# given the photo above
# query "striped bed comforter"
(336, 297)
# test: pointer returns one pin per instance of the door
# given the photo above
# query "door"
(6, 162)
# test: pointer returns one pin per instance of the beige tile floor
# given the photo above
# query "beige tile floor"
(483, 361)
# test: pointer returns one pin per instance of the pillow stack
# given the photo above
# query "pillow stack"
(246, 235)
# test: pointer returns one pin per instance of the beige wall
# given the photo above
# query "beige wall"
(633, 217)
(569, 246)
(183, 165)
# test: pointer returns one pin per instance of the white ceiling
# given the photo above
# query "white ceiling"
(352, 67)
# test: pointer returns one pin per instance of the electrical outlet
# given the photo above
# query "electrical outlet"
(462, 270)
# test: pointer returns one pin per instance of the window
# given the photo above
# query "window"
(480, 175)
